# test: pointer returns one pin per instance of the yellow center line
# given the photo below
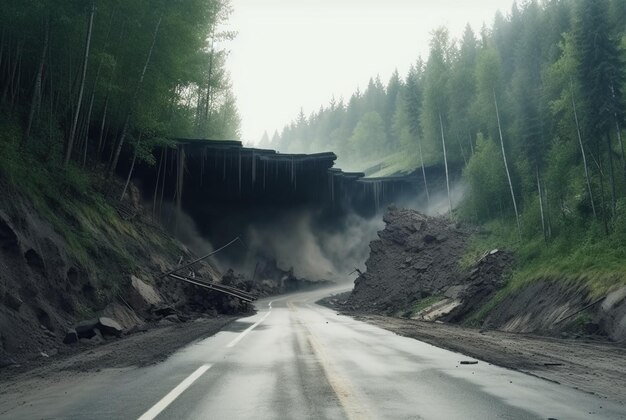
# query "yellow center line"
(348, 399)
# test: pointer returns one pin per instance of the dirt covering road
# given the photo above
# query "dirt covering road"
(596, 367)
(139, 349)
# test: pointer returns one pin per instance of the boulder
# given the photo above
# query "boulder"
(71, 337)
(142, 295)
(85, 329)
(109, 326)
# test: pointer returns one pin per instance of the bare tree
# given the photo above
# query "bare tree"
(81, 90)
(445, 160)
(36, 98)
(506, 167)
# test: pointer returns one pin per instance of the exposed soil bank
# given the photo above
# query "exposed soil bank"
(414, 271)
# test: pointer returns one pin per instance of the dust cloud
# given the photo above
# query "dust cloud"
(306, 241)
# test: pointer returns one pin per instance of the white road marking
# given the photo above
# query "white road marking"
(250, 328)
(174, 393)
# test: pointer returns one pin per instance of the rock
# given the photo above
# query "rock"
(468, 362)
(109, 326)
(164, 311)
(173, 318)
(429, 238)
(85, 329)
(95, 340)
(142, 295)
(12, 301)
(71, 337)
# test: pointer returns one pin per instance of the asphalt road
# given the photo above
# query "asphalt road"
(297, 360)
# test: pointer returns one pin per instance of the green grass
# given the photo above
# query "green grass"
(577, 256)
(93, 231)
(425, 303)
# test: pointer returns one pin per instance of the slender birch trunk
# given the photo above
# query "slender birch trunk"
(543, 220)
(70, 142)
(582, 151)
(419, 146)
(445, 160)
(38, 82)
(506, 167)
(124, 132)
(132, 167)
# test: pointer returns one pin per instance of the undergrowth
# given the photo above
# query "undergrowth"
(579, 255)
(65, 198)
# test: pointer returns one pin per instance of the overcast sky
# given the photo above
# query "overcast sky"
(299, 53)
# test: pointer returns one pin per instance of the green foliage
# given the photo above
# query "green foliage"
(156, 65)
(487, 185)
(368, 135)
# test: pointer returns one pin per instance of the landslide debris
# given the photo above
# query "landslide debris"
(413, 270)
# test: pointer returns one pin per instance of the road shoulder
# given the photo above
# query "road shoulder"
(591, 366)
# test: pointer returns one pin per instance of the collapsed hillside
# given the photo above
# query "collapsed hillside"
(78, 268)
(414, 270)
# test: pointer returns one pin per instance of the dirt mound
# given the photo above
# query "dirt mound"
(413, 271)
(416, 257)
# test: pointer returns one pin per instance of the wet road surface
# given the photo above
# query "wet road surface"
(297, 360)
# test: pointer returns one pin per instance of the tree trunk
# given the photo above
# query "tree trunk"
(132, 167)
(445, 160)
(621, 145)
(134, 99)
(2, 51)
(163, 184)
(15, 93)
(81, 89)
(582, 151)
(506, 167)
(543, 220)
(156, 185)
(12, 68)
(619, 137)
(611, 172)
(38, 78)
(179, 184)
(104, 118)
(419, 146)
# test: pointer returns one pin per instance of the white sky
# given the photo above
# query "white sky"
(299, 53)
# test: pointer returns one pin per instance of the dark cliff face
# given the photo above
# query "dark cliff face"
(225, 185)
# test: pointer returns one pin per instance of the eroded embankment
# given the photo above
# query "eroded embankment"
(82, 269)
(414, 271)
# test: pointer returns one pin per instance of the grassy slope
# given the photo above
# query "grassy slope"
(96, 237)
(585, 257)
